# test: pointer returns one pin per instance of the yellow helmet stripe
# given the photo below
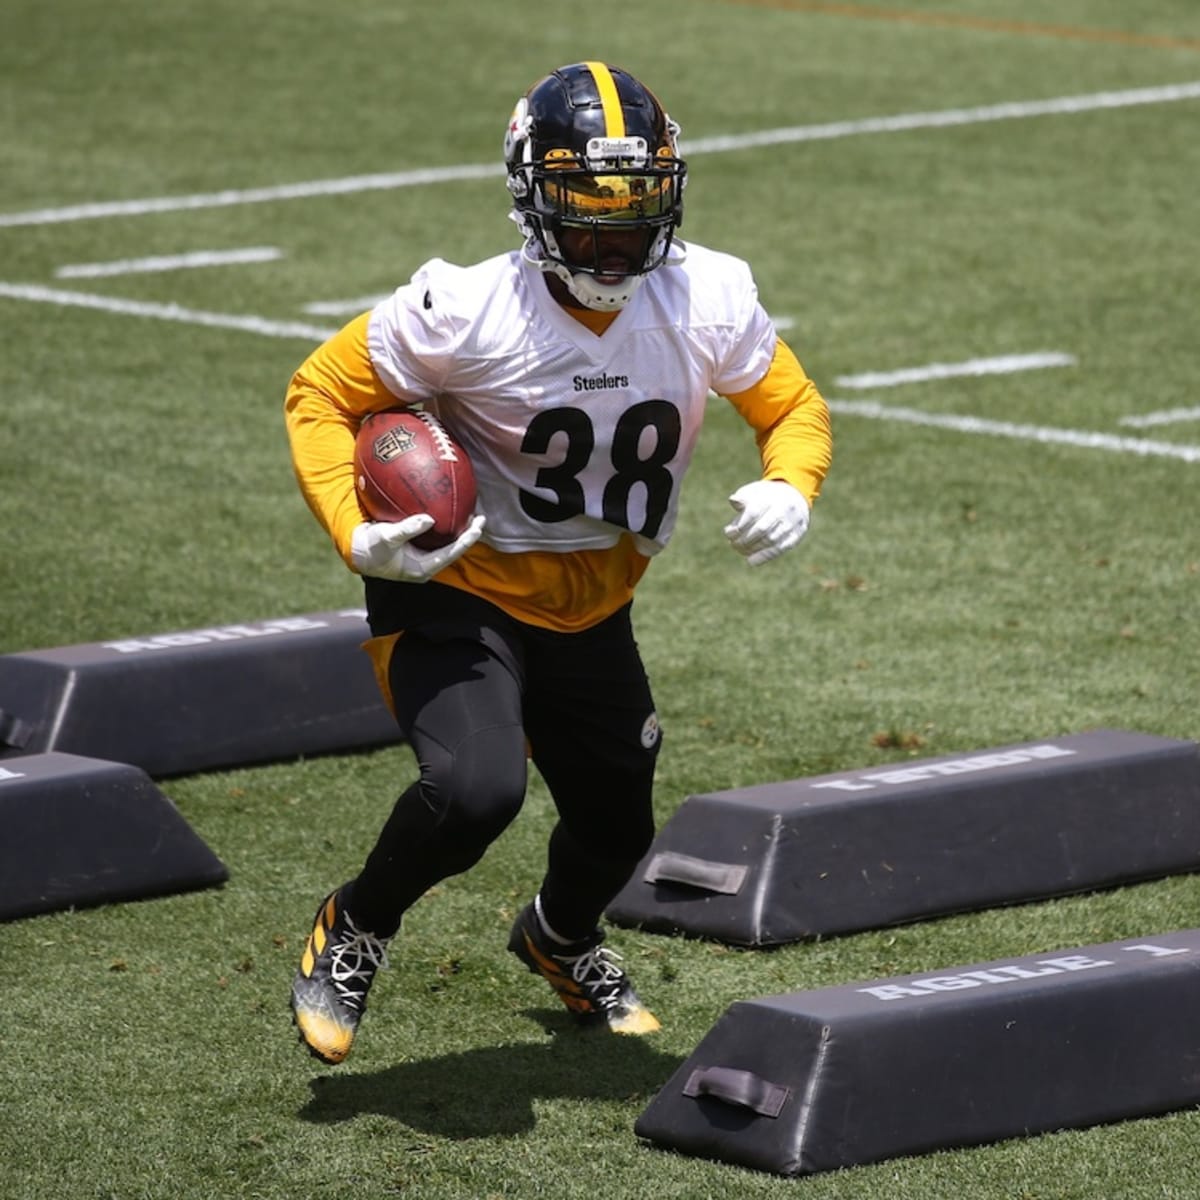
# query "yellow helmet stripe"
(614, 115)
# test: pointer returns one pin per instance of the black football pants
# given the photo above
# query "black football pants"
(472, 690)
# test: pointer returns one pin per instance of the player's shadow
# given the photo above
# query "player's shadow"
(491, 1090)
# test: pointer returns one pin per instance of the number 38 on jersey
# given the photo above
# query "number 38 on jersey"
(627, 483)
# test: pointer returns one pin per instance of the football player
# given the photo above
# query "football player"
(575, 372)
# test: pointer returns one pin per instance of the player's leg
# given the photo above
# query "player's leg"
(595, 738)
(457, 698)
(459, 706)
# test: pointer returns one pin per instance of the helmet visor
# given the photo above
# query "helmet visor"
(649, 191)
(575, 195)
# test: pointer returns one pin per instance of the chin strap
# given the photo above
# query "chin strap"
(600, 297)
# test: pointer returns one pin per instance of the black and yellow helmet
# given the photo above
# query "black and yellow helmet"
(590, 147)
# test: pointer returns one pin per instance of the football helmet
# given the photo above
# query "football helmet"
(590, 149)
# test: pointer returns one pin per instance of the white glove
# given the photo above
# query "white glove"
(772, 516)
(384, 548)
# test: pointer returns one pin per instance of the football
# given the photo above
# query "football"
(406, 463)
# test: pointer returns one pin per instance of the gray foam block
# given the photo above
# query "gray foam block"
(855, 850)
(200, 699)
(80, 832)
(836, 1077)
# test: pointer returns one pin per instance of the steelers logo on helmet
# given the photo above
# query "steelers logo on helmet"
(579, 157)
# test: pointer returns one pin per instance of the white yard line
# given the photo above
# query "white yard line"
(900, 123)
(1002, 365)
(165, 312)
(261, 195)
(1007, 110)
(1168, 416)
(1046, 435)
(169, 262)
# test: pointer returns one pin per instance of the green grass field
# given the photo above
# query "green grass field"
(996, 558)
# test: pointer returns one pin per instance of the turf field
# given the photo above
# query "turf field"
(976, 222)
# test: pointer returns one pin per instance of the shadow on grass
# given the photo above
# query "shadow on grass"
(491, 1090)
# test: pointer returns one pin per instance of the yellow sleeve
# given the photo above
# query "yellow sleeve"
(790, 420)
(335, 387)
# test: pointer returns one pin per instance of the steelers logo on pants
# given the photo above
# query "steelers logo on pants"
(650, 731)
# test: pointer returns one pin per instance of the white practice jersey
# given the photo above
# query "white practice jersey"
(574, 438)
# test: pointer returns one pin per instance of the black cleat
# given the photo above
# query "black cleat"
(584, 974)
(329, 992)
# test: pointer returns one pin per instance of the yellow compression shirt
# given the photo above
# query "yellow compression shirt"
(337, 386)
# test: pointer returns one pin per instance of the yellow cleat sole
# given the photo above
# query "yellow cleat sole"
(636, 1022)
(324, 1039)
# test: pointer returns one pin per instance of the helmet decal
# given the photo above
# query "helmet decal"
(518, 129)
(614, 116)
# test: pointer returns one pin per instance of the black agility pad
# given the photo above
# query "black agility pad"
(80, 832)
(838, 1077)
(200, 699)
(863, 849)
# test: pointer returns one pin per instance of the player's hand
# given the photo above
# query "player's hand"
(772, 516)
(384, 548)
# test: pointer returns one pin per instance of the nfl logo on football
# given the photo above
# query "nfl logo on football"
(392, 444)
